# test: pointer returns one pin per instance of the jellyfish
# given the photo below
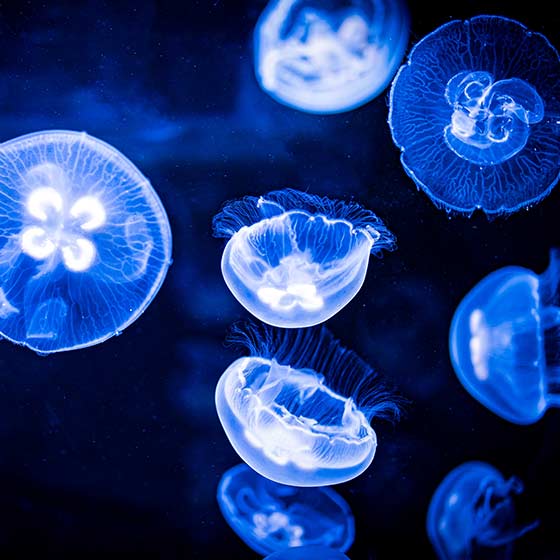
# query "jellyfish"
(298, 408)
(329, 57)
(503, 341)
(295, 259)
(308, 553)
(473, 509)
(476, 114)
(271, 517)
(85, 242)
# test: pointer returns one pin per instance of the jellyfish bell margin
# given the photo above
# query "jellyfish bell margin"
(474, 111)
(330, 59)
(271, 517)
(473, 508)
(503, 342)
(298, 408)
(86, 242)
(294, 259)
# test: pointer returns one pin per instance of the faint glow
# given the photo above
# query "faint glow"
(272, 517)
(329, 59)
(473, 506)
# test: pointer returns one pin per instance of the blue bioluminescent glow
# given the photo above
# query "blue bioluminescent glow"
(329, 57)
(502, 342)
(308, 553)
(271, 517)
(475, 114)
(295, 259)
(473, 509)
(298, 408)
(85, 242)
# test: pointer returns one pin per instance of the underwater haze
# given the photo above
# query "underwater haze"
(116, 450)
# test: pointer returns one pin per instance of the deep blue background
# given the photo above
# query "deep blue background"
(116, 450)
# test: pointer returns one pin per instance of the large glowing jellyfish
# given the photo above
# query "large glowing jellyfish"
(298, 408)
(503, 341)
(329, 57)
(85, 242)
(295, 259)
(473, 509)
(308, 553)
(476, 113)
(271, 517)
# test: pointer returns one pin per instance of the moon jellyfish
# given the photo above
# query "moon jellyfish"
(329, 57)
(295, 259)
(476, 114)
(472, 510)
(271, 517)
(504, 342)
(298, 408)
(85, 242)
(308, 553)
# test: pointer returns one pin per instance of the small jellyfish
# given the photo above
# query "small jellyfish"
(295, 259)
(503, 342)
(271, 517)
(329, 57)
(308, 553)
(298, 408)
(476, 114)
(473, 510)
(85, 242)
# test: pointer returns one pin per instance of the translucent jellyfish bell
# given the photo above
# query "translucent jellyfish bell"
(503, 342)
(85, 242)
(298, 408)
(473, 509)
(308, 553)
(271, 517)
(294, 259)
(329, 57)
(475, 112)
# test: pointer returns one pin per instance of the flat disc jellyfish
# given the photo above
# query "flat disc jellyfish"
(473, 509)
(308, 553)
(475, 112)
(503, 342)
(298, 408)
(294, 259)
(85, 242)
(329, 57)
(271, 517)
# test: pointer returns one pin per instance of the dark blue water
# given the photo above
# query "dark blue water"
(116, 450)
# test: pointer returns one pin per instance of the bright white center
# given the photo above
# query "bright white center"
(92, 210)
(42, 200)
(59, 229)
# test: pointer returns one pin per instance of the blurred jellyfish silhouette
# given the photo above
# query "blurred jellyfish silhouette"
(476, 114)
(85, 242)
(473, 510)
(503, 341)
(329, 57)
(295, 259)
(308, 553)
(298, 408)
(271, 517)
